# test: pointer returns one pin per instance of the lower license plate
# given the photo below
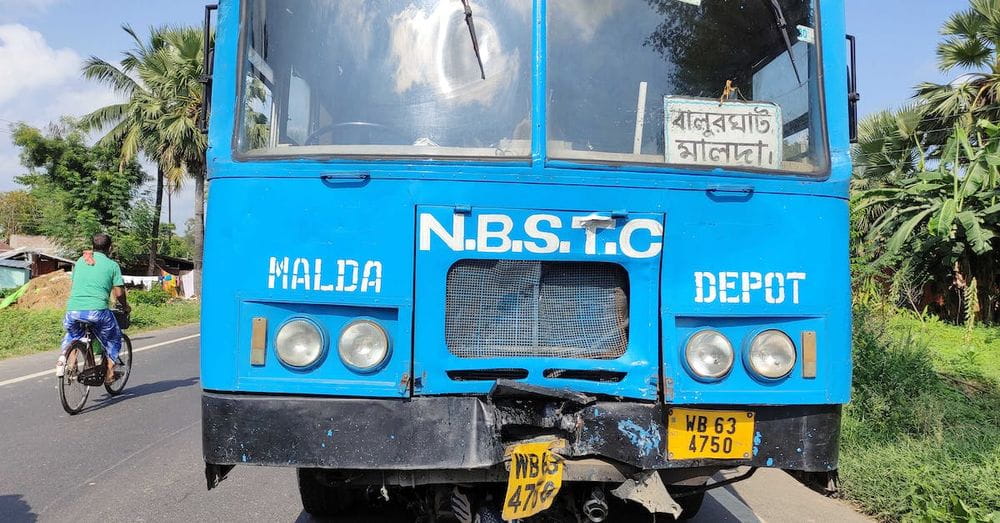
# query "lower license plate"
(714, 434)
(536, 475)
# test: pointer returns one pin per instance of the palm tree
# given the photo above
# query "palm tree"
(972, 43)
(889, 149)
(890, 144)
(927, 182)
(160, 81)
(184, 142)
(945, 220)
(134, 121)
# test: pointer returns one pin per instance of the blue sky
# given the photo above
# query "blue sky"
(897, 40)
(43, 41)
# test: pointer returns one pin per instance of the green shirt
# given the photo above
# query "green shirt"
(92, 283)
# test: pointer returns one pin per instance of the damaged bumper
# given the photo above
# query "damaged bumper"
(463, 432)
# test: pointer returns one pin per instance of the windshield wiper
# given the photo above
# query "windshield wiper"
(472, 33)
(779, 16)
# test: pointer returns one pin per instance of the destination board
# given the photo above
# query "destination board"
(700, 131)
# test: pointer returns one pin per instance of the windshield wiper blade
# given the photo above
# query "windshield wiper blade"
(472, 33)
(779, 16)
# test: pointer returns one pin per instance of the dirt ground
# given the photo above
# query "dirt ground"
(47, 292)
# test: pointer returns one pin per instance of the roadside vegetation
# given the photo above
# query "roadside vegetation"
(74, 190)
(26, 331)
(921, 436)
(955, 351)
(71, 189)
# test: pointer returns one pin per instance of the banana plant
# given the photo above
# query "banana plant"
(956, 202)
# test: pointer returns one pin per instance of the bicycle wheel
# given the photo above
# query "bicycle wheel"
(121, 375)
(72, 393)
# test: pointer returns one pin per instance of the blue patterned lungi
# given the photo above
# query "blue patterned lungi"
(105, 327)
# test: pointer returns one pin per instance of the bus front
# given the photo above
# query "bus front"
(526, 256)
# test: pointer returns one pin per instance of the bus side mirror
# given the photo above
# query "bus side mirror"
(853, 96)
(207, 67)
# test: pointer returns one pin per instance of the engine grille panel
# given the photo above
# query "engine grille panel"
(508, 308)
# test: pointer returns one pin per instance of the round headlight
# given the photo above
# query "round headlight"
(299, 343)
(709, 354)
(772, 354)
(363, 345)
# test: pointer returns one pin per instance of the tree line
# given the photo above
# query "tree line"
(926, 187)
(74, 190)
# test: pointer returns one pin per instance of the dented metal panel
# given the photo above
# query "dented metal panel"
(423, 433)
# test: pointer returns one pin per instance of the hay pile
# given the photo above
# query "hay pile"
(50, 291)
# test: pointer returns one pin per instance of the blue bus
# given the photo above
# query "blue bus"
(527, 257)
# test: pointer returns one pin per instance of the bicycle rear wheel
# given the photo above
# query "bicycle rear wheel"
(121, 375)
(72, 393)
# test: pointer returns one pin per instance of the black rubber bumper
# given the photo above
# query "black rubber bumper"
(462, 432)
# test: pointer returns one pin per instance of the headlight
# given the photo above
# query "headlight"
(363, 345)
(299, 343)
(772, 354)
(709, 354)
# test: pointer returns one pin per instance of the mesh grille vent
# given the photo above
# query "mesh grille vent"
(506, 308)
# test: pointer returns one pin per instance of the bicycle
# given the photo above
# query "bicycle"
(85, 367)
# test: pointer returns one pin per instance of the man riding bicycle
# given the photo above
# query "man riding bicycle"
(95, 278)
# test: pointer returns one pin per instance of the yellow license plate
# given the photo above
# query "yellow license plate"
(716, 434)
(536, 475)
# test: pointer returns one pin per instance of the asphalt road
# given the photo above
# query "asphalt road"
(137, 457)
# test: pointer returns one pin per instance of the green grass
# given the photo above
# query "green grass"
(921, 437)
(28, 331)
(954, 349)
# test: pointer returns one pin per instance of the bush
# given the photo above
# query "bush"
(913, 446)
(23, 331)
(973, 355)
(26, 331)
(154, 296)
(146, 316)
(893, 378)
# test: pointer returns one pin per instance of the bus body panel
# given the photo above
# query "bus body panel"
(336, 239)
(730, 261)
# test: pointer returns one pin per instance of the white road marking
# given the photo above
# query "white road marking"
(168, 342)
(53, 370)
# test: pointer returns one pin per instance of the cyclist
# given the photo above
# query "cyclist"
(95, 278)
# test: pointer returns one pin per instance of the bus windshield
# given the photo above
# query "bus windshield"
(705, 83)
(693, 82)
(384, 78)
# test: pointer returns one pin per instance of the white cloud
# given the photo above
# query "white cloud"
(39, 84)
(27, 62)
(524, 7)
(423, 45)
(359, 16)
(78, 100)
(587, 15)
